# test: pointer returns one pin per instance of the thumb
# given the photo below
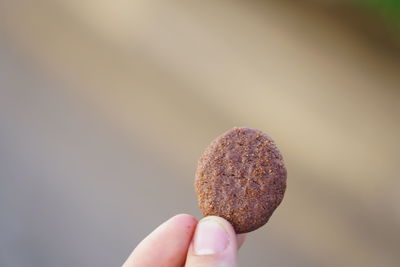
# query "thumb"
(214, 244)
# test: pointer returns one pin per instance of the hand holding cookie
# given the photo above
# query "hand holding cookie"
(240, 181)
(183, 241)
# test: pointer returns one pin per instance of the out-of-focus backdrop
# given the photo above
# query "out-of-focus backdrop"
(105, 107)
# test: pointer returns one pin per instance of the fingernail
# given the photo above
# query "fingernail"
(210, 238)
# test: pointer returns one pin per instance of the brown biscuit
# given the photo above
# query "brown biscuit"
(241, 177)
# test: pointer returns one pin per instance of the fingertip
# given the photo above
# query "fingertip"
(214, 243)
(240, 238)
(167, 245)
(184, 222)
(184, 218)
(227, 225)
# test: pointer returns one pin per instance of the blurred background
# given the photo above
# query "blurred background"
(105, 107)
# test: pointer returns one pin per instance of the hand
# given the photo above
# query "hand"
(182, 241)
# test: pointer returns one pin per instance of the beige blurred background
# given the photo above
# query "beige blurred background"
(105, 107)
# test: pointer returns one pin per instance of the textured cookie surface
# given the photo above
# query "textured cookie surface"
(241, 177)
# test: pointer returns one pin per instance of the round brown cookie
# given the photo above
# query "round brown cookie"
(241, 177)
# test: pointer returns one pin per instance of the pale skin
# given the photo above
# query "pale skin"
(184, 241)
